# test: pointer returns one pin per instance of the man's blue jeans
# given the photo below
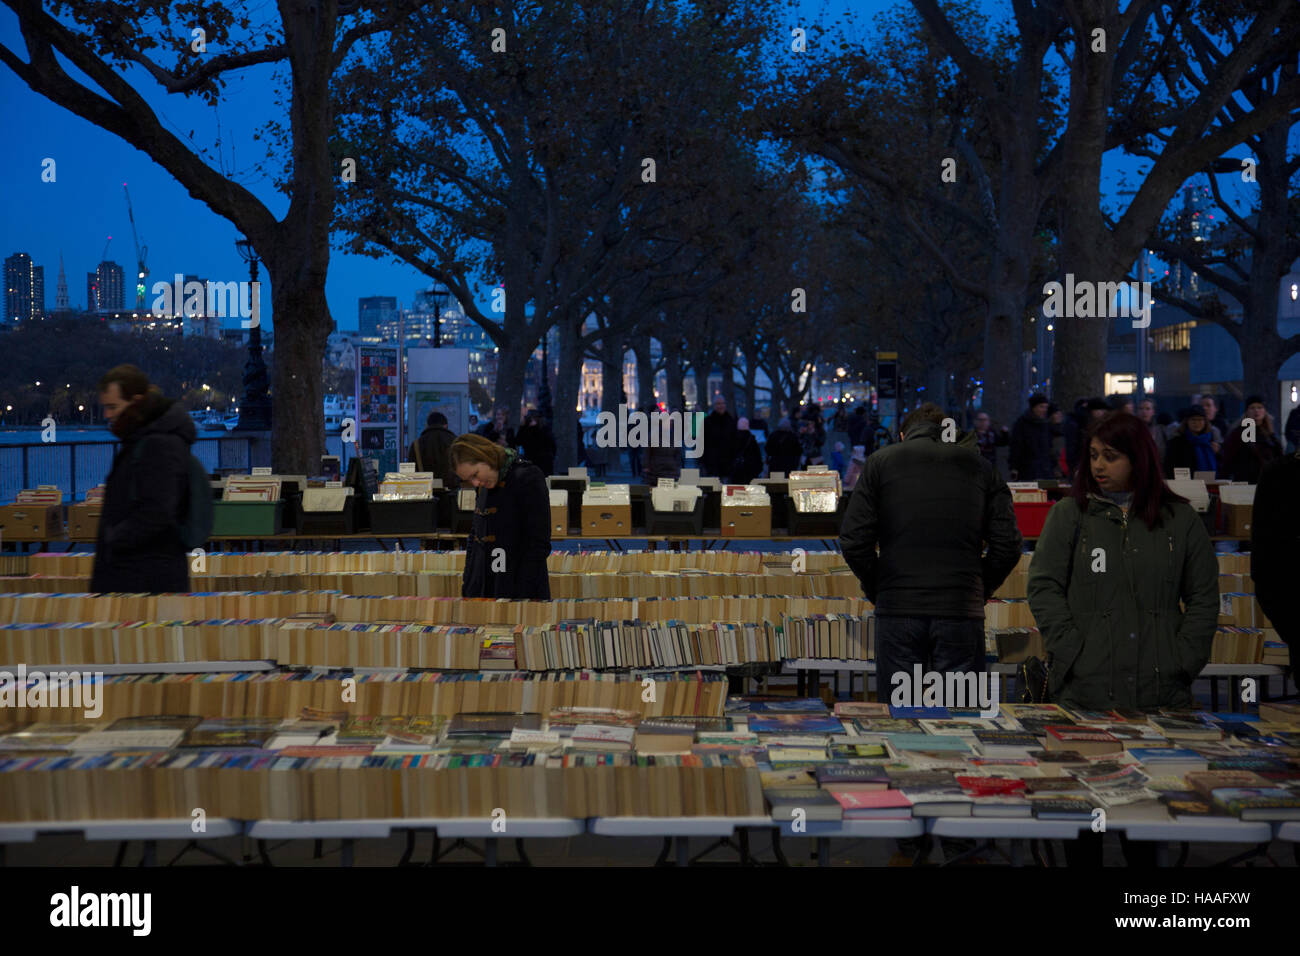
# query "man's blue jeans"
(942, 644)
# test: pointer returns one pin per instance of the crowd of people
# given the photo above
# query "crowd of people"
(1045, 443)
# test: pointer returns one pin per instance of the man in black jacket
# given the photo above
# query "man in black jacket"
(1275, 537)
(537, 442)
(719, 440)
(931, 506)
(1031, 442)
(139, 546)
(430, 451)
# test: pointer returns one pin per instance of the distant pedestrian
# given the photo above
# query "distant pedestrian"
(719, 440)
(748, 461)
(1244, 459)
(1031, 442)
(783, 449)
(431, 451)
(535, 440)
(1192, 447)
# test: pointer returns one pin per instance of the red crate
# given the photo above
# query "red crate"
(1031, 516)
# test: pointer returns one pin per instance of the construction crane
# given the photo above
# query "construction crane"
(142, 270)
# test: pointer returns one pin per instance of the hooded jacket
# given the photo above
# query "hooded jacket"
(931, 506)
(515, 517)
(139, 547)
(432, 452)
(1031, 448)
(1275, 539)
(783, 450)
(1132, 622)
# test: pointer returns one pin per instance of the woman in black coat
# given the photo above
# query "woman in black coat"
(510, 538)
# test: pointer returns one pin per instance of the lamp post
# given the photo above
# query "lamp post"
(255, 410)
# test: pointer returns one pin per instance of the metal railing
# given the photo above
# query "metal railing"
(77, 466)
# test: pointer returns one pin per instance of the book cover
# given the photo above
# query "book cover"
(778, 723)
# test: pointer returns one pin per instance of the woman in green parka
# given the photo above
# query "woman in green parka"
(1124, 584)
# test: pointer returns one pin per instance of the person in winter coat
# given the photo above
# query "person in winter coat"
(1245, 460)
(1192, 446)
(783, 449)
(510, 537)
(931, 507)
(138, 547)
(988, 438)
(1031, 442)
(748, 462)
(719, 440)
(1275, 535)
(1147, 412)
(1075, 431)
(1115, 559)
(497, 430)
(431, 451)
(536, 442)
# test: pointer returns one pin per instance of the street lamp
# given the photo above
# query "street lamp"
(256, 414)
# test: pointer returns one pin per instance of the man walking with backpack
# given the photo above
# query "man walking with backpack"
(141, 546)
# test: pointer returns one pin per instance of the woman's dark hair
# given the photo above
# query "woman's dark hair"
(129, 379)
(1128, 436)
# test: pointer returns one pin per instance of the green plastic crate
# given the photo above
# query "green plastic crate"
(246, 517)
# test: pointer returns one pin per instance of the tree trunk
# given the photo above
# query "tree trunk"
(645, 370)
(750, 388)
(512, 364)
(728, 363)
(568, 378)
(612, 393)
(700, 367)
(1002, 359)
(302, 326)
(675, 398)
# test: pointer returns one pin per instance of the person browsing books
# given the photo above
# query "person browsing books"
(930, 506)
(510, 537)
(1124, 584)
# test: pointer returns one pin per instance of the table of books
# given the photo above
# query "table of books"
(615, 709)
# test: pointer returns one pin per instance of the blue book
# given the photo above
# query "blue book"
(1156, 754)
(919, 713)
(795, 724)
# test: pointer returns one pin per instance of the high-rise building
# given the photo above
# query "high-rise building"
(375, 314)
(92, 292)
(1194, 224)
(108, 284)
(24, 289)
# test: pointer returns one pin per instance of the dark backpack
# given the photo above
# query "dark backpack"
(195, 526)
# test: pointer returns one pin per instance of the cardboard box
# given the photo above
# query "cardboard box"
(1236, 504)
(753, 521)
(83, 521)
(559, 513)
(1019, 645)
(606, 520)
(31, 522)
